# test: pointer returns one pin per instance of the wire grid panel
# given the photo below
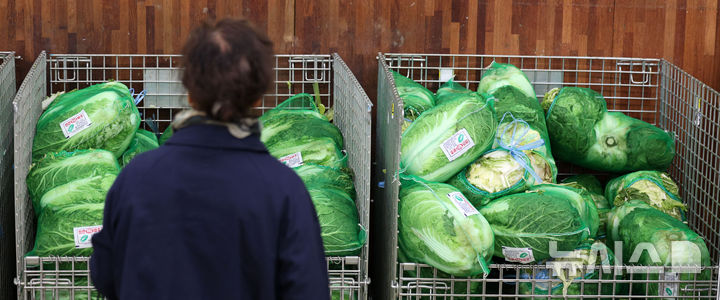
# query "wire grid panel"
(629, 85)
(691, 110)
(27, 109)
(532, 282)
(7, 234)
(160, 77)
(353, 115)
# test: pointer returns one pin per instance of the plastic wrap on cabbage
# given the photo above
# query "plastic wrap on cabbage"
(657, 239)
(55, 229)
(56, 169)
(451, 90)
(439, 227)
(143, 141)
(294, 124)
(102, 116)
(521, 155)
(86, 190)
(340, 228)
(526, 223)
(580, 198)
(591, 184)
(319, 151)
(590, 261)
(446, 138)
(416, 98)
(318, 176)
(499, 75)
(583, 132)
(652, 187)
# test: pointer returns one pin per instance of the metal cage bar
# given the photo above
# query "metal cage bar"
(7, 235)
(652, 90)
(160, 77)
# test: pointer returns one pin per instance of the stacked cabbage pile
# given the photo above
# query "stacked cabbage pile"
(301, 136)
(478, 180)
(80, 141)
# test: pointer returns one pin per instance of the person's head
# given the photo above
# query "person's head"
(228, 67)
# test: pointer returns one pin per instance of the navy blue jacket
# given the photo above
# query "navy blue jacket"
(209, 216)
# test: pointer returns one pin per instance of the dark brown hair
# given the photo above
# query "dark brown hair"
(228, 66)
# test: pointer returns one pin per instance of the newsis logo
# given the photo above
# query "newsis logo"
(573, 260)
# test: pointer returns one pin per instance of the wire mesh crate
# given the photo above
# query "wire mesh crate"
(7, 92)
(653, 90)
(159, 77)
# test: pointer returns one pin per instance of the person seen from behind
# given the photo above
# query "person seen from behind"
(211, 214)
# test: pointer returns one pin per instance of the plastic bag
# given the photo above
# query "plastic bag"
(652, 187)
(56, 226)
(583, 132)
(143, 141)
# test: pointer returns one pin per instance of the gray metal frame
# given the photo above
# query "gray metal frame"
(159, 76)
(7, 236)
(653, 90)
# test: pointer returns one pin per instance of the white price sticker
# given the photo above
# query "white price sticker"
(462, 204)
(75, 124)
(519, 255)
(83, 235)
(457, 144)
(668, 288)
(292, 160)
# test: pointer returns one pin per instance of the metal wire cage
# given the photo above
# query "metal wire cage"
(652, 90)
(7, 92)
(159, 77)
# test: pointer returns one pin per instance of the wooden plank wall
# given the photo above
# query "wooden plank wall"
(682, 31)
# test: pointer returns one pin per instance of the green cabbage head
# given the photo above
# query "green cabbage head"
(143, 141)
(652, 187)
(499, 75)
(435, 231)
(109, 110)
(448, 137)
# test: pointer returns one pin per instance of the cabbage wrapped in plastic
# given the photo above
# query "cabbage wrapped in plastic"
(526, 223)
(580, 198)
(499, 75)
(102, 116)
(86, 190)
(451, 90)
(165, 135)
(56, 169)
(521, 155)
(439, 227)
(297, 128)
(583, 132)
(592, 185)
(652, 187)
(317, 176)
(589, 261)
(416, 98)
(448, 137)
(143, 141)
(55, 229)
(660, 240)
(340, 228)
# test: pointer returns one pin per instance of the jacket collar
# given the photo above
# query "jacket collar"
(214, 136)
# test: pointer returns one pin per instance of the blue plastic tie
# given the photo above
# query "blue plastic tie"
(140, 97)
(516, 150)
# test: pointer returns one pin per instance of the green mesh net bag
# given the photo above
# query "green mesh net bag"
(297, 132)
(592, 185)
(451, 90)
(142, 141)
(652, 187)
(583, 132)
(165, 135)
(416, 98)
(446, 138)
(526, 223)
(85, 190)
(521, 154)
(340, 228)
(438, 226)
(102, 116)
(587, 263)
(67, 230)
(660, 240)
(318, 176)
(56, 169)
(499, 75)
